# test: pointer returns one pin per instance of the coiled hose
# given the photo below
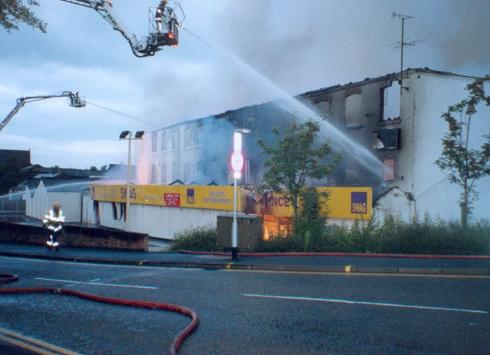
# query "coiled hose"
(178, 340)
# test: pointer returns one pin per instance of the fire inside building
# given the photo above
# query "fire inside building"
(401, 126)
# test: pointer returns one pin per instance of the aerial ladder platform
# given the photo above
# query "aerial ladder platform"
(164, 28)
(75, 101)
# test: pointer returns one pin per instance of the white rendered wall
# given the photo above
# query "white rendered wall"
(157, 221)
(423, 128)
(41, 202)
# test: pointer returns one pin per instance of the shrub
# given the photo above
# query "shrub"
(393, 236)
(196, 239)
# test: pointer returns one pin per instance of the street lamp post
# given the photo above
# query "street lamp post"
(237, 163)
(128, 135)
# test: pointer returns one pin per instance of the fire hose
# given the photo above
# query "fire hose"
(176, 344)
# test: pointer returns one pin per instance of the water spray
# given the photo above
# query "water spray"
(291, 104)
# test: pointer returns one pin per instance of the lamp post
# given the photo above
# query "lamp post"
(128, 135)
(237, 163)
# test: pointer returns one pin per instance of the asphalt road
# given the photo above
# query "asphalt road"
(250, 312)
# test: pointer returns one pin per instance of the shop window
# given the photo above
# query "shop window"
(154, 141)
(390, 102)
(389, 169)
(353, 115)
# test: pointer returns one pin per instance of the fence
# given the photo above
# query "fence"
(12, 206)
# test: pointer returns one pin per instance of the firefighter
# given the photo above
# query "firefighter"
(53, 222)
(160, 14)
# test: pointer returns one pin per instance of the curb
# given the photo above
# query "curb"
(335, 254)
(346, 269)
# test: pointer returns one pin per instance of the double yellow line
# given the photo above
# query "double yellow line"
(30, 344)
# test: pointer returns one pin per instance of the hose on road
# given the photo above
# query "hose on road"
(176, 344)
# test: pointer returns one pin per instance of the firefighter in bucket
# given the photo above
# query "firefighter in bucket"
(53, 222)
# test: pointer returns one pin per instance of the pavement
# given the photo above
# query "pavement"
(286, 262)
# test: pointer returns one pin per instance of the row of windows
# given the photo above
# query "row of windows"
(175, 173)
(170, 139)
(389, 106)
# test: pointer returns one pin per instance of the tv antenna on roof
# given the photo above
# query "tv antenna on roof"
(403, 43)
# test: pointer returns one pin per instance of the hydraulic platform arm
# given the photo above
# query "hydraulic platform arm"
(75, 101)
(147, 45)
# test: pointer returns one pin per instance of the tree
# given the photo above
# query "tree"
(293, 158)
(10, 175)
(465, 165)
(14, 11)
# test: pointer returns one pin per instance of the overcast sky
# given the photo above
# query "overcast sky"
(299, 45)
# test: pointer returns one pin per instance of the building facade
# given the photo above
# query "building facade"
(399, 125)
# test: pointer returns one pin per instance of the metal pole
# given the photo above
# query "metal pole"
(402, 44)
(234, 227)
(128, 182)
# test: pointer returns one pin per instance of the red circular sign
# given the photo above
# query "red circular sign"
(237, 161)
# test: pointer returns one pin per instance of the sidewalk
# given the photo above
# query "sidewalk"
(321, 263)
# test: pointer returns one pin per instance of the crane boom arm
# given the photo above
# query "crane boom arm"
(147, 45)
(75, 101)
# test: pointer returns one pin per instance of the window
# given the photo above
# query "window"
(164, 141)
(187, 138)
(154, 140)
(390, 102)
(175, 171)
(250, 122)
(353, 114)
(324, 108)
(153, 174)
(198, 135)
(175, 140)
(389, 169)
(187, 173)
(163, 173)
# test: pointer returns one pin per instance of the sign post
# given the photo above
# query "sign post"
(237, 163)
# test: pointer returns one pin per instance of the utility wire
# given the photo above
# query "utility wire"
(122, 114)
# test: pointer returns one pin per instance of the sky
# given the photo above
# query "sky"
(299, 45)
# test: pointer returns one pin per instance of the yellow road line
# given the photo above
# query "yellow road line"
(364, 274)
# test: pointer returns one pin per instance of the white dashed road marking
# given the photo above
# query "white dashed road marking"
(382, 304)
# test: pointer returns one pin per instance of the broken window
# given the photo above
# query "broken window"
(389, 169)
(353, 116)
(154, 140)
(164, 141)
(187, 138)
(163, 173)
(324, 108)
(390, 102)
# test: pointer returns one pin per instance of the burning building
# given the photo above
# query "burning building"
(401, 126)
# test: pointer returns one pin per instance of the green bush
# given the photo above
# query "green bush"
(393, 236)
(196, 239)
